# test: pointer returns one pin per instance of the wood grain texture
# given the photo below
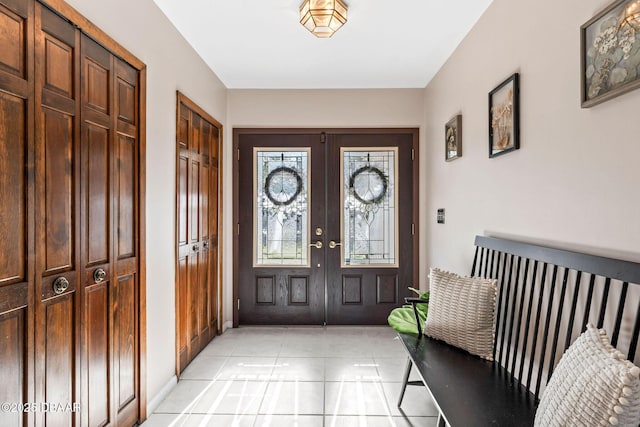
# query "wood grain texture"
(196, 225)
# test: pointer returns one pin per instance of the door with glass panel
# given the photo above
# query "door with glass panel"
(325, 225)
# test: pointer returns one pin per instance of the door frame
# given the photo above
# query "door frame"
(90, 29)
(237, 132)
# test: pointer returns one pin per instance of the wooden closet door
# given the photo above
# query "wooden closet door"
(16, 206)
(56, 213)
(109, 236)
(197, 204)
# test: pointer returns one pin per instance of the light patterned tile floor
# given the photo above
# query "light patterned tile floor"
(333, 376)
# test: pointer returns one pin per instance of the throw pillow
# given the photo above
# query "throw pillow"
(592, 385)
(461, 312)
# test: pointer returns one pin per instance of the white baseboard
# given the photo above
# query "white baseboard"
(227, 325)
(159, 397)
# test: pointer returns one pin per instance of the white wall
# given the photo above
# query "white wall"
(574, 181)
(140, 27)
(358, 108)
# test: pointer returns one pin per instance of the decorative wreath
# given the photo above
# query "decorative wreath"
(377, 198)
(282, 171)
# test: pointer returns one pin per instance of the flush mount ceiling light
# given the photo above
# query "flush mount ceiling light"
(323, 17)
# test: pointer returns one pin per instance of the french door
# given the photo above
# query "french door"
(326, 225)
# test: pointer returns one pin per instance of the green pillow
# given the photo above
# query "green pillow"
(402, 319)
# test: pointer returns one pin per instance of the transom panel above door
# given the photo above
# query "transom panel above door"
(326, 225)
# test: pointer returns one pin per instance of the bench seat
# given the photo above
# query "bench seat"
(469, 391)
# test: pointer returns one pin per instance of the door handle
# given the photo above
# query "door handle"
(317, 244)
(333, 244)
(60, 285)
(99, 275)
(195, 248)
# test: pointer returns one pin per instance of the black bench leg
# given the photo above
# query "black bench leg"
(441, 421)
(405, 380)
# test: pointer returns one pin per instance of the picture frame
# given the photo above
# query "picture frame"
(504, 117)
(453, 138)
(610, 53)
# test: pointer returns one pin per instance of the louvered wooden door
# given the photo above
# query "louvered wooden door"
(69, 242)
(198, 142)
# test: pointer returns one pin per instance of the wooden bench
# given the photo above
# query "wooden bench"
(546, 297)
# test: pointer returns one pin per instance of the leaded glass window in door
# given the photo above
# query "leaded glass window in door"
(369, 203)
(281, 218)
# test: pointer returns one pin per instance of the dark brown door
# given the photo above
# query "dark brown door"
(16, 206)
(326, 225)
(370, 211)
(281, 267)
(197, 231)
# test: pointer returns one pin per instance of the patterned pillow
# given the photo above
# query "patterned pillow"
(593, 385)
(461, 312)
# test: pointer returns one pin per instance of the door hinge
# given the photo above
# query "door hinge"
(238, 229)
(323, 137)
(238, 154)
(413, 229)
(238, 304)
(413, 154)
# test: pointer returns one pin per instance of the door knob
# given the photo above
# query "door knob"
(317, 244)
(333, 244)
(60, 285)
(99, 275)
(195, 247)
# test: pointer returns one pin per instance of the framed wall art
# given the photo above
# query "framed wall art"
(504, 120)
(610, 53)
(453, 138)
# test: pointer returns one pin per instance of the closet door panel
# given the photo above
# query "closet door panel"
(13, 210)
(56, 236)
(95, 223)
(59, 190)
(16, 196)
(96, 179)
(13, 369)
(125, 232)
(59, 374)
(97, 349)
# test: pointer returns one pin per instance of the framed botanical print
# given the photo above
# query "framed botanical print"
(504, 120)
(453, 138)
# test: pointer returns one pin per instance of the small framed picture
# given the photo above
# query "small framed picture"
(610, 53)
(504, 120)
(453, 138)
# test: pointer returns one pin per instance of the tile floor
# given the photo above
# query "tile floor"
(297, 376)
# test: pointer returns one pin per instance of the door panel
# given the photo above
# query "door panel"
(59, 349)
(362, 205)
(125, 300)
(57, 232)
(13, 231)
(370, 213)
(16, 209)
(281, 274)
(196, 231)
(13, 369)
(97, 353)
(66, 213)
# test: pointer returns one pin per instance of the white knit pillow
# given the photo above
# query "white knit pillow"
(593, 385)
(461, 312)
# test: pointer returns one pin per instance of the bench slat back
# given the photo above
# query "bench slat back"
(546, 297)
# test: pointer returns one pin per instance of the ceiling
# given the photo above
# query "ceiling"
(260, 44)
